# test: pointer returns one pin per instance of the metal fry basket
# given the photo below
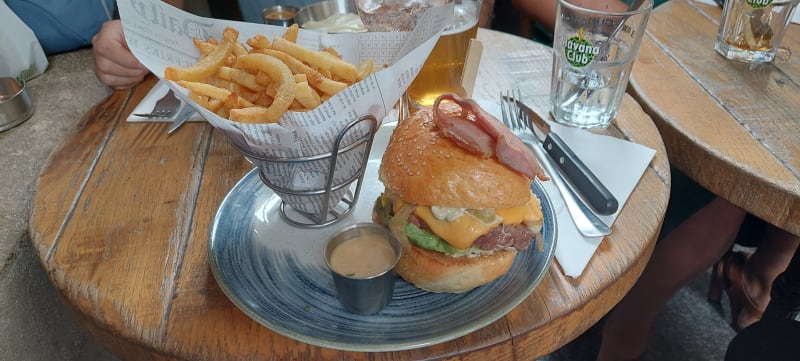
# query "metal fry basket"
(320, 190)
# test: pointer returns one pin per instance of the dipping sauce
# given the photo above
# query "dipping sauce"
(279, 15)
(337, 23)
(363, 256)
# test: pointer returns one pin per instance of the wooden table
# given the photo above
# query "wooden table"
(121, 223)
(732, 127)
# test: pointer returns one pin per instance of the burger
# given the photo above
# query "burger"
(457, 194)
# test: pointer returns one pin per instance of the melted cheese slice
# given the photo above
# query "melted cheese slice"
(459, 233)
(462, 232)
(529, 213)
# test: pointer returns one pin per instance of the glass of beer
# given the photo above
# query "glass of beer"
(393, 15)
(441, 73)
(751, 30)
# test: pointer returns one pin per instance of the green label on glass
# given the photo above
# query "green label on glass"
(759, 4)
(580, 52)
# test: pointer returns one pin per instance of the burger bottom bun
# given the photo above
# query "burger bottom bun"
(438, 272)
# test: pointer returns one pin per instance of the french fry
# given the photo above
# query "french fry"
(259, 42)
(291, 33)
(204, 101)
(214, 104)
(239, 49)
(307, 96)
(240, 77)
(211, 91)
(365, 69)
(234, 101)
(262, 100)
(205, 89)
(317, 59)
(263, 78)
(260, 83)
(315, 78)
(279, 73)
(272, 90)
(332, 51)
(300, 78)
(249, 95)
(208, 65)
(204, 47)
(296, 106)
(251, 115)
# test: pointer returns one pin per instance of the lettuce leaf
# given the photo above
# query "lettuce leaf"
(426, 240)
(416, 235)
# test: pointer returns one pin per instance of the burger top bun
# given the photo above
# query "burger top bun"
(423, 167)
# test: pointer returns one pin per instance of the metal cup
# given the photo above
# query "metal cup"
(16, 105)
(280, 15)
(363, 294)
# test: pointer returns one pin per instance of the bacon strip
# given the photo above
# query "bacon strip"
(464, 129)
(465, 133)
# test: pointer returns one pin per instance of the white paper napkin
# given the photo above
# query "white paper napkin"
(149, 100)
(795, 16)
(619, 164)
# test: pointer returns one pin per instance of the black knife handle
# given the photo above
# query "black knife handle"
(587, 184)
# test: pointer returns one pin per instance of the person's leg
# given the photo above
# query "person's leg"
(691, 248)
(765, 264)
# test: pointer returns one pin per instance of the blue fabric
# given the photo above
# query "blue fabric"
(63, 25)
(251, 9)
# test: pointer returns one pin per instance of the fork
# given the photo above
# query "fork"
(164, 108)
(588, 223)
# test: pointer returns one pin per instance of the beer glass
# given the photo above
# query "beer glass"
(751, 30)
(393, 15)
(442, 71)
(594, 46)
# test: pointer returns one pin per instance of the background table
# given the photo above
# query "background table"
(732, 127)
(121, 218)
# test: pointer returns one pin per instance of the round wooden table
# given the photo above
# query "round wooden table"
(121, 222)
(732, 127)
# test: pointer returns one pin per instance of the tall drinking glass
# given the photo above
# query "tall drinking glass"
(443, 69)
(594, 47)
(751, 30)
(393, 15)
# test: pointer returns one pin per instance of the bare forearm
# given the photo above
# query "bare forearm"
(176, 3)
(540, 11)
(544, 11)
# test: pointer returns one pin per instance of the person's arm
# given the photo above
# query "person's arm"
(114, 64)
(544, 11)
(540, 11)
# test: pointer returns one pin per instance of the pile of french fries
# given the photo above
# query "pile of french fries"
(258, 81)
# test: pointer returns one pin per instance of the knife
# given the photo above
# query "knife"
(586, 183)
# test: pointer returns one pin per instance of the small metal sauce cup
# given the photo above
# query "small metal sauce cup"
(16, 105)
(367, 295)
(280, 15)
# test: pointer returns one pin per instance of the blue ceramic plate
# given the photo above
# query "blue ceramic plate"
(275, 273)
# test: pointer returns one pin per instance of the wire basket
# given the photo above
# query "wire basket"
(320, 190)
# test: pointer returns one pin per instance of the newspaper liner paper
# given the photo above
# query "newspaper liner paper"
(160, 35)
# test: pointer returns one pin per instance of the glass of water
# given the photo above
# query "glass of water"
(594, 46)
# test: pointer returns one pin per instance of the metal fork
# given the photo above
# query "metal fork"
(588, 223)
(164, 108)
